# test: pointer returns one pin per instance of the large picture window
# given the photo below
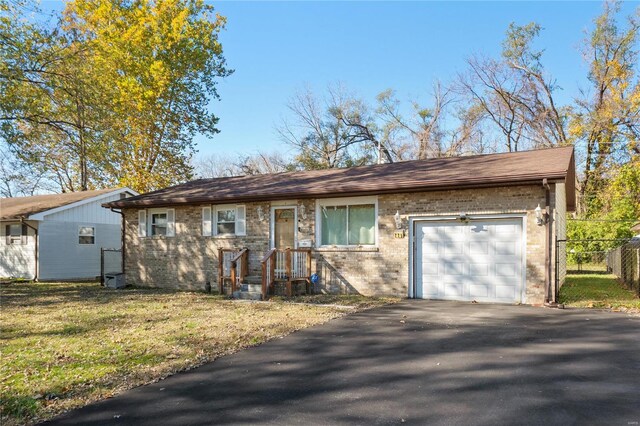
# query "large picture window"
(348, 224)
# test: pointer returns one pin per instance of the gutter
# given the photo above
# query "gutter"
(35, 230)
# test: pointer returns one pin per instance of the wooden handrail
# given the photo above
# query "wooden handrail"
(268, 255)
(239, 255)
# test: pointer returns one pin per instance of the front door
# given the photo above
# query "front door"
(284, 228)
(284, 235)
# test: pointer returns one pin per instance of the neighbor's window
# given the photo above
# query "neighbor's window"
(15, 234)
(226, 221)
(87, 235)
(159, 223)
(348, 225)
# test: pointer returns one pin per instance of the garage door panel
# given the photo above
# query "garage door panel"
(453, 289)
(478, 290)
(465, 261)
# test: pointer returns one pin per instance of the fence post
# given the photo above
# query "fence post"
(102, 266)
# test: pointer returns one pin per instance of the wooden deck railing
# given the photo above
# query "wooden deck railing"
(233, 264)
(289, 266)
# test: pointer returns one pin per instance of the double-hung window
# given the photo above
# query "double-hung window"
(224, 220)
(87, 235)
(347, 222)
(16, 234)
(157, 223)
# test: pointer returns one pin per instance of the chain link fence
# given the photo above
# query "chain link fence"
(624, 262)
(620, 257)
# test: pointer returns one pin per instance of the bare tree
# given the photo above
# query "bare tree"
(327, 132)
(214, 165)
(490, 85)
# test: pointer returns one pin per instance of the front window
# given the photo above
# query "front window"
(226, 221)
(15, 234)
(87, 235)
(348, 225)
(158, 223)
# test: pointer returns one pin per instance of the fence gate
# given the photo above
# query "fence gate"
(110, 262)
(599, 256)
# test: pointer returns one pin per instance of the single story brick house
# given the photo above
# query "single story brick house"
(477, 228)
(58, 236)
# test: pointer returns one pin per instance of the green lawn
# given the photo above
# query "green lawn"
(598, 291)
(64, 345)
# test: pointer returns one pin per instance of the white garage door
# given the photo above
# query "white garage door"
(479, 260)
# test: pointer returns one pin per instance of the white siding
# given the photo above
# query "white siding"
(17, 260)
(62, 257)
(91, 212)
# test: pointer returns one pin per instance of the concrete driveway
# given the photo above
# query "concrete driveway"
(417, 362)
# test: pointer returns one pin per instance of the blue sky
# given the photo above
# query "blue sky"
(277, 48)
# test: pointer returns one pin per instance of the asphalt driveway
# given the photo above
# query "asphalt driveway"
(417, 362)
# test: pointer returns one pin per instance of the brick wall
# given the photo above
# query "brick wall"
(189, 259)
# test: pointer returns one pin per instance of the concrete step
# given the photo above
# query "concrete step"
(245, 295)
(253, 279)
(251, 288)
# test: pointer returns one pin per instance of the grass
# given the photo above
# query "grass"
(601, 291)
(64, 345)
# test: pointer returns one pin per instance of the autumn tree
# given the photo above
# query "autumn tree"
(161, 60)
(606, 118)
(113, 92)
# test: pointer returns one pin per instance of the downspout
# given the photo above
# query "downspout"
(550, 297)
(35, 230)
(122, 240)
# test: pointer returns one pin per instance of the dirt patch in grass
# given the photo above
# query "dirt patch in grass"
(600, 291)
(64, 345)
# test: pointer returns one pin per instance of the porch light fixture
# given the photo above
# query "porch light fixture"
(303, 211)
(260, 214)
(398, 220)
(541, 218)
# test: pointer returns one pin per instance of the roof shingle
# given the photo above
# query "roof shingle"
(16, 207)
(408, 176)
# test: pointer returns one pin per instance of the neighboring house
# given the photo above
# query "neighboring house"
(58, 236)
(464, 228)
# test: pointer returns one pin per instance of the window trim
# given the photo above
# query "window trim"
(18, 237)
(93, 234)
(346, 201)
(170, 229)
(214, 220)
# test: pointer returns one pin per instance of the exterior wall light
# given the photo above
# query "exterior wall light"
(541, 218)
(303, 211)
(398, 220)
(260, 214)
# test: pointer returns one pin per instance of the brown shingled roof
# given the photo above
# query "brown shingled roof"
(555, 164)
(16, 207)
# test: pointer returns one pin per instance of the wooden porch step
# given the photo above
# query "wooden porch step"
(253, 279)
(251, 288)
